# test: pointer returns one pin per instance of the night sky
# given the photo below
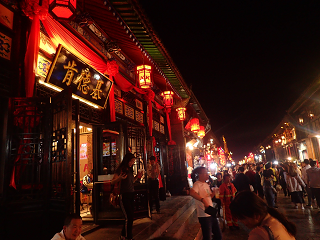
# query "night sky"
(247, 61)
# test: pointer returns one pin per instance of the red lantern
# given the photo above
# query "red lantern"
(181, 113)
(63, 9)
(195, 126)
(201, 132)
(167, 98)
(144, 76)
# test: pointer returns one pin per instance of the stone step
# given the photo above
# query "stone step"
(144, 229)
(183, 224)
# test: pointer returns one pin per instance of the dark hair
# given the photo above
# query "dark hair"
(312, 163)
(258, 168)
(306, 161)
(69, 218)
(241, 169)
(124, 165)
(91, 171)
(195, 173)
(219, 173)
(152, 158)
(268, 165)
(225, 176)
(248, 204)
(267, 173)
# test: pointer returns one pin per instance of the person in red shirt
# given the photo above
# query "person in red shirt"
(251, 175)
(227, 194)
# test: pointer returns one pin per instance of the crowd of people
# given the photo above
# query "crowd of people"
(249, 193)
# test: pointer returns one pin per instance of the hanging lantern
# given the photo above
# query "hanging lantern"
(195, 126)
(181, 113)
(201, 132)
(167, 98)
(144, 76)
(62, 9)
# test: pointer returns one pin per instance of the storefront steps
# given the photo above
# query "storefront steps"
(177, 219)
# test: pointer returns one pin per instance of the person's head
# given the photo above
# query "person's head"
(292, 170)
(306, 162)
(261, 164)
(258, 168)
(72, 226)
(152, 160)
(268, 165)
(226, 178)
(313, 163)
(90, 173)
(251, 210)
(199, 173)
(241, 169)
(126, 163)
(219, 176)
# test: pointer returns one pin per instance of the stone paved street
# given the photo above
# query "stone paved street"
(307, 221)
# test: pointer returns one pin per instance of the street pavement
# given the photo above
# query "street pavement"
(307, 222)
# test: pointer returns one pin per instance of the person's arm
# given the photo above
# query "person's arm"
(196, 196)
(117, 178)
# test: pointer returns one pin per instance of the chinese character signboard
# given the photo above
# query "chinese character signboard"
(87, 83)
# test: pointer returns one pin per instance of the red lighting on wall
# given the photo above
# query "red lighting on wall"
(195, 125)
(181, 113)
(201, 132)
(62, 9)
(167, 98)
(144, 76)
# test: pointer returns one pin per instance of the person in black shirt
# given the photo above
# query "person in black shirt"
(124, 174)
(259, 188)
(241, 182)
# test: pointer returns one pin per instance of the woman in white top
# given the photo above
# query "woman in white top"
(253, 212)
(294, 183)
(202, 193)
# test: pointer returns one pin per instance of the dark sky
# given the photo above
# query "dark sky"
(247, 61)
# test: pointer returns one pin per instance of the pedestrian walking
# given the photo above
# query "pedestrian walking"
(268, 189)
(227, 192)
(258, 187)
(201, 192)
(266, 222)
(241, 182)
(153, 171)
(305, 166)
(282, 180)
(124, 174)
(294, 185)
(313, 175)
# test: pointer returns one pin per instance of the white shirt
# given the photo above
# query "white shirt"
(203, 189)
(294, 183)
(278, 230)
(60, 236)
(304, 173)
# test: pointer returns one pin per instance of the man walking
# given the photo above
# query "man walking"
(153, 171)
(305, 166)
(313, 175)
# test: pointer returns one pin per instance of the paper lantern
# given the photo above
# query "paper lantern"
(181, 113)
(167, 98)
(144, 76)
(201, 132)
(195, 126)
(62, 9)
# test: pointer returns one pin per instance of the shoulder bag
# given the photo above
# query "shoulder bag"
(271, 237)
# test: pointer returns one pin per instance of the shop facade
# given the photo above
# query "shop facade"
(83, 109)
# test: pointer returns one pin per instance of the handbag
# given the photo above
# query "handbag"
(114, 198)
